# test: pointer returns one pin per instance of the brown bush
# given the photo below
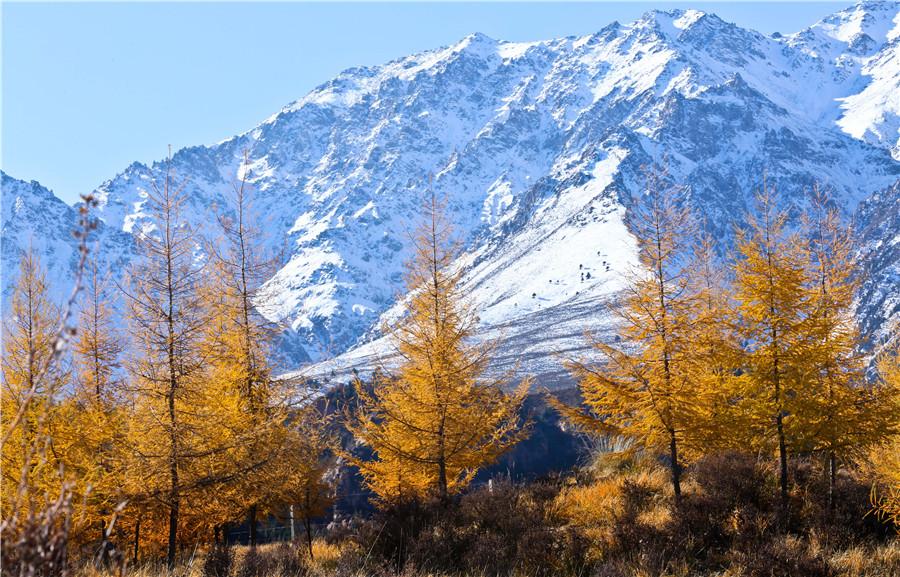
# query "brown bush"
(501, 529)
(218, 561)
(34, 542)
(783, 555)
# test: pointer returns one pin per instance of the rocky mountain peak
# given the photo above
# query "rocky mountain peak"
(539, 149)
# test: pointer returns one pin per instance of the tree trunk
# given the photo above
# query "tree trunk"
(309, 540)
(782, 458)
(251, 521)
(779, 426)
(101, 554)
(675, 467)
(293, 530)
(442, 464)
(173, 533)
(442, 480)
(171, 357)
(832, 474)
(137, 541)
(175, 489)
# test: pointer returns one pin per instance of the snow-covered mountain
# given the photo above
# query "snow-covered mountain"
(34, 217)
(879, 295)
(538, 148)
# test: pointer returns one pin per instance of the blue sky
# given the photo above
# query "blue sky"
(87, 88)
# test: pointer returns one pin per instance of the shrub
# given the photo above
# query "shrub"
(34, 542)
(732, 502)
(733, 480)
(498, 529)
(784, 555)
(853, 517)
(254, 564)
(218, 561)
(627, 523)
(290, 558)
(619, 511)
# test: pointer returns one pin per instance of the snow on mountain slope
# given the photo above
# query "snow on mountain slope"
(33, 218)
(862, 47)
(539, 149)
(540, 289)
(878, 221)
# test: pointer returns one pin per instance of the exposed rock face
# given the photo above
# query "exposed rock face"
(538, 148)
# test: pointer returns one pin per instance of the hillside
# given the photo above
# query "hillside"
(538, 148)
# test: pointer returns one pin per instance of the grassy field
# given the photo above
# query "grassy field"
(291, 560)
(614, 520)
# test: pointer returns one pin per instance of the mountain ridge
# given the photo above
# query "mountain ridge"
(539, 148)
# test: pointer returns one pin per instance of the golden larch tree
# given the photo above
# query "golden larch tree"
(98, 345)
(841, 416)
(32, 382)
(94, 426)
(237, 339)
(178, 448)
(770, 289)
(298, 482)
(266, 412)
(644, 390)
(37, 489)
(884, 458)
(722, 421)
(440, 418)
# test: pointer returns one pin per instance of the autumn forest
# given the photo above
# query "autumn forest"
(738, 423)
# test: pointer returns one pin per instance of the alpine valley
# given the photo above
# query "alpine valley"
(538, 148)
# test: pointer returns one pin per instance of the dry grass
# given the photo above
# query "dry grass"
(879, 561)
(154, 569)
(596, 508)
(330, 560)
(270, 561)
(624, 522)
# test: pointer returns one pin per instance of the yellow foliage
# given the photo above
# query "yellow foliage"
(647, 391)
(885, 457)
(772, 298)
(32, 382)
(721, 421)
(181, 443)
(93, 422)
(837, 414)
(806, 375)
(196, 435)
(439, 419)
(276, 449)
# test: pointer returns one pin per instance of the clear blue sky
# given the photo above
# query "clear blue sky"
(88, 88)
